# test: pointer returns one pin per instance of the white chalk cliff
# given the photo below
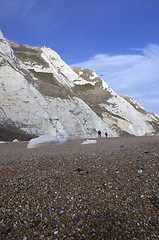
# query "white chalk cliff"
(41, 95)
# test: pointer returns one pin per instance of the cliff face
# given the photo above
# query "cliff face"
(41, 94)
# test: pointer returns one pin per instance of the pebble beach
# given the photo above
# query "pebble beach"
(103, 190)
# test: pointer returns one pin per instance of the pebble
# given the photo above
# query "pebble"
(49, 196)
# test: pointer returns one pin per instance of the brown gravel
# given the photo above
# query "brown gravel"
(107, 190)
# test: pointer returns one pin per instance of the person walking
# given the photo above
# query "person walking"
(99, 133)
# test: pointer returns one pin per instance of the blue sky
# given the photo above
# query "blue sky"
(118, 39)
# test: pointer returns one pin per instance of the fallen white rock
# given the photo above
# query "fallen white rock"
(2, 142)
(89, 141)
(15, 140)
(45, 140)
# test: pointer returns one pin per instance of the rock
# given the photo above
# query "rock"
(6, 230)
(45, 140)
(89, 141)
(79, 170)
(55, 224)
(76, 219)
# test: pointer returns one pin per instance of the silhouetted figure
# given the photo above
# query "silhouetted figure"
(99, 133)
(106, 134)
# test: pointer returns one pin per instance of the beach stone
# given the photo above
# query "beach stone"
(47, 193)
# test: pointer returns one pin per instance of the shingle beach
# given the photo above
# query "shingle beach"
(104, 190)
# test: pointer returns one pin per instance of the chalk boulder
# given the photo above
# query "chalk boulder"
(89, 141)
(45, 140)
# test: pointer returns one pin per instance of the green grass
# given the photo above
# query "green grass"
(85, 86)
(24, 53)
(30, 56)
(43, 76)
(23, 48)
